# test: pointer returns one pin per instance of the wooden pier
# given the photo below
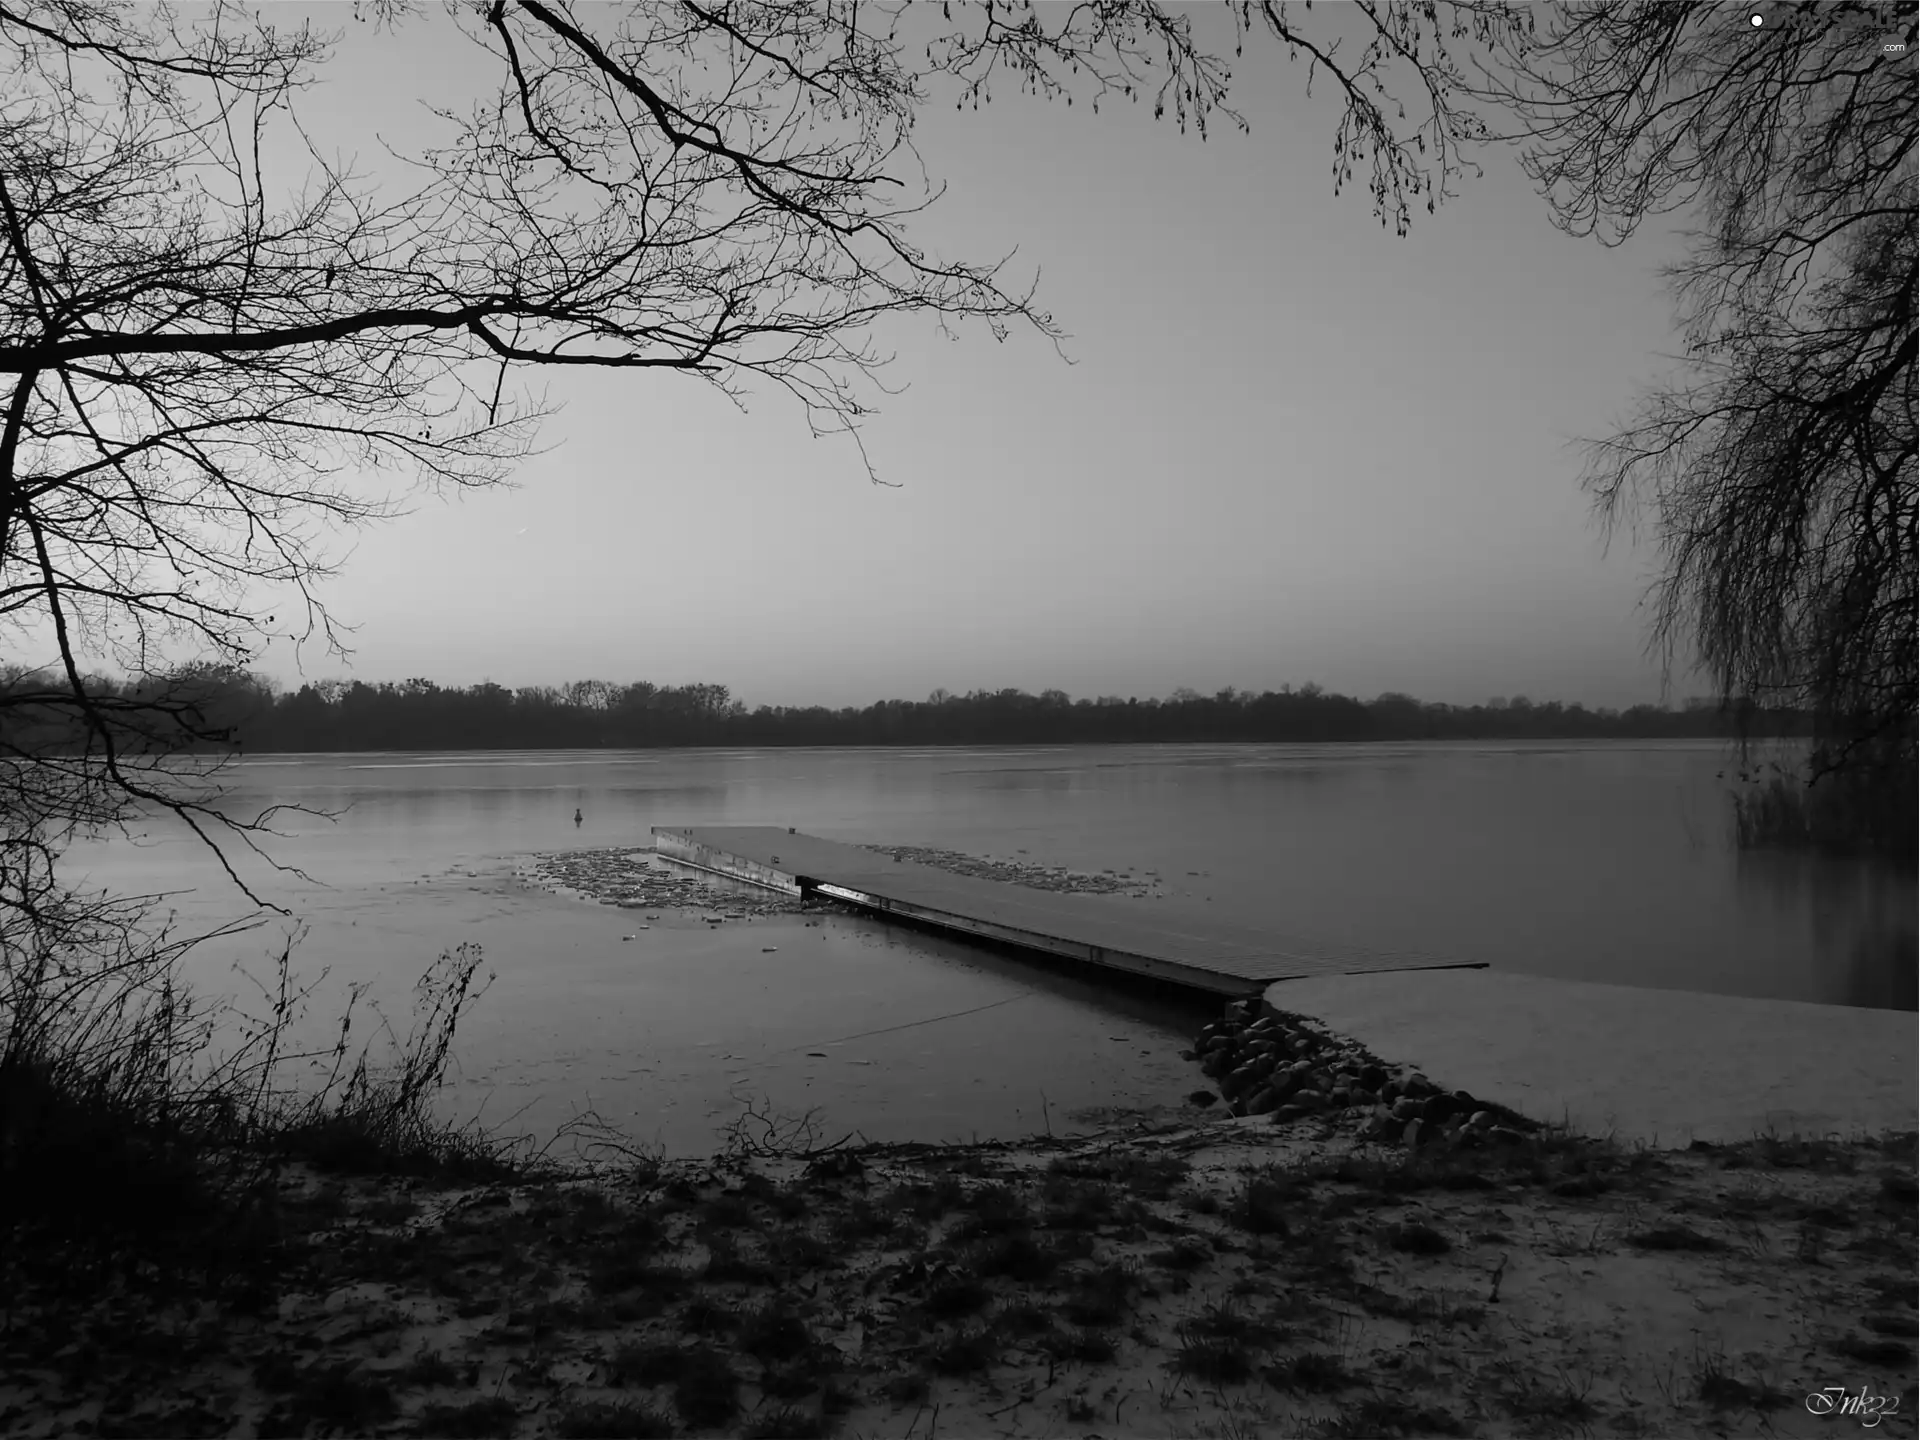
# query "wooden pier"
(1199, 953)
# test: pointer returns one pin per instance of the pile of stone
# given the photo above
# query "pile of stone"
(1018, 872)
(631, 880)
(1286, 1067)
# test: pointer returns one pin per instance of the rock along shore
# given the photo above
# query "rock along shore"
(1288, 1067)
(1357, 1252)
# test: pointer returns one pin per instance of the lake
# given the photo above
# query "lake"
(1607, 861)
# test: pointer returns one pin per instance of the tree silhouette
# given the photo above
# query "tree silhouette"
(1780, 471)
(420, 715)
(209, 361)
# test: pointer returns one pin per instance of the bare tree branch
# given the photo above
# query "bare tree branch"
(208, 370)
(1781, 476)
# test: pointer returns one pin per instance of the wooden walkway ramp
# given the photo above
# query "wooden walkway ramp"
(1205, 954)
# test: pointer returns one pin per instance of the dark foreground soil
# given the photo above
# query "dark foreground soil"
(1234, 1279)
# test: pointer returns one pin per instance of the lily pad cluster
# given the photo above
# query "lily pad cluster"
(1020, 872)
(630, 879)
(1286, 1067)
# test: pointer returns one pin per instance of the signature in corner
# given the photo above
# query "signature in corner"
(1869, 1409)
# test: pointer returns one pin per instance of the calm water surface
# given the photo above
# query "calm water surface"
(1592, 861)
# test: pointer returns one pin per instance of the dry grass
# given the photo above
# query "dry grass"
(336, 1263)
(1329, 1291)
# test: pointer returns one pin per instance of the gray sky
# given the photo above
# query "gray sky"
(1293, 448)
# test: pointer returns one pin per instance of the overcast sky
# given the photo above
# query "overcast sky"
(1293, 447)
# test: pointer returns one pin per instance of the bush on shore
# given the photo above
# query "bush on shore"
(1861, 810)
(130, 1146)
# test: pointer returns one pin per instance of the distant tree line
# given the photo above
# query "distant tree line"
(258, 718)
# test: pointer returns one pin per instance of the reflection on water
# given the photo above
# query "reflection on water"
(1609, 862)
(1593, 862)
(1882, 969)
(1856, 917)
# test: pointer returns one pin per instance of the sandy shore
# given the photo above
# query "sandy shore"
(1230, 1279)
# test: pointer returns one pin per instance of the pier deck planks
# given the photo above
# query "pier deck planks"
(1102, 930)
